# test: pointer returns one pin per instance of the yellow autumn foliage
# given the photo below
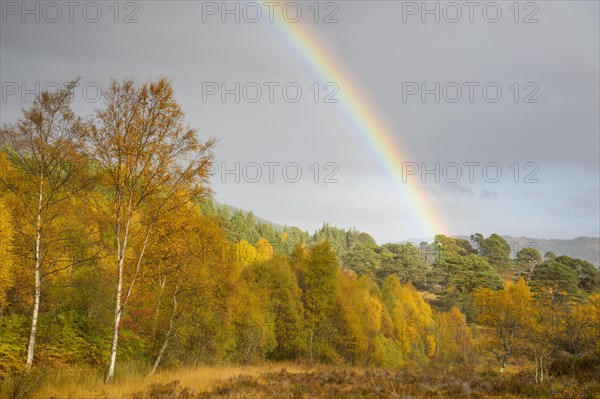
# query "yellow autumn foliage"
(6, 278)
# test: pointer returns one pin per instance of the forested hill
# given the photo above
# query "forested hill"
(233, 209)
(446, 270)
(586, 248)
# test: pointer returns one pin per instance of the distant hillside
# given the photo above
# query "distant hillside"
(586, 248)
(233, 209)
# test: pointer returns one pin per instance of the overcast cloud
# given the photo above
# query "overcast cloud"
(552, 131)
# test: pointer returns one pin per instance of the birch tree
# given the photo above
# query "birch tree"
(42, 163)
(174, 257)
(506, 314)
(145, 155)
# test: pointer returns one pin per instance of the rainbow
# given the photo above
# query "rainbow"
(369, 124)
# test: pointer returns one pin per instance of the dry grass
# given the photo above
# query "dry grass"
(84, 384)
(291, 380)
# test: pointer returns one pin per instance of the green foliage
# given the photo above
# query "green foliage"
(452, 246)
(555, 275)
(362, 259)
(588, 276)
(526, 261)
(72, 337)
(495, 250)
(336, 237)
(386, 353)
(456, 274)
(13, 343)
(66, 337)
(404, 261)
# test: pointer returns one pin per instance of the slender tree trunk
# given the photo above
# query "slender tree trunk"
(119, 301)
(121, 247)
(504, 360)
(117, 323)
(503, 364)
(437, 341)
(161, 284)
(169, 332)
(34, 318)
(311, 347)
(38, 276)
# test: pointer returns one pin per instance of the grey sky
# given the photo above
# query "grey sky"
(559, 135)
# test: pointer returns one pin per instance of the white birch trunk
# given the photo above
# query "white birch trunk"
(38, 276)
(168, 335)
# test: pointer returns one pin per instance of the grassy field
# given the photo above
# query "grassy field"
(288, 380)
(134, 381)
